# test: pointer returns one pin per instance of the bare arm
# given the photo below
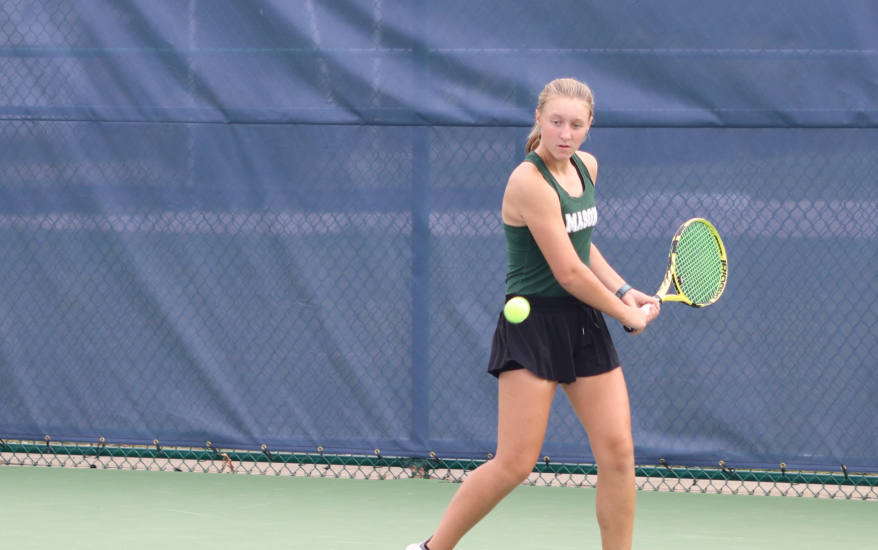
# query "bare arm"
(530, 201)
(606, 274)
(610, 279)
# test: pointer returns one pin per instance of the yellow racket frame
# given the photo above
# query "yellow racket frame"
(671, 274)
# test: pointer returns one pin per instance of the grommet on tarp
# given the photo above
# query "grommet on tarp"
(844, 470)
(48, 439)
(267, 453)
(783, 469)
(665, 464)
(378, 454)
(546, 459)
(157, 446)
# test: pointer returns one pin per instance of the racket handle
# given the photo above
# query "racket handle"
(645, 308)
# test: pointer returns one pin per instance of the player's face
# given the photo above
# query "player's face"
(564, 122)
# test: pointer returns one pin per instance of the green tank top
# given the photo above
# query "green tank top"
(529, 272)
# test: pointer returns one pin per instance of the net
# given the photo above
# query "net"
(699, 264)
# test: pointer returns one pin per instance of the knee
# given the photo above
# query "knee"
(515, 469)
(616, 454)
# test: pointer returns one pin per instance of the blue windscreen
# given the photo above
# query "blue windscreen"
(278, 223)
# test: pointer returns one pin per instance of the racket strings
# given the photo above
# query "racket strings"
(698, 265)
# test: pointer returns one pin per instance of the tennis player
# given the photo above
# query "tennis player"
(548, 216)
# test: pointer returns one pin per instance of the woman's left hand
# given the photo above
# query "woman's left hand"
(635, 298)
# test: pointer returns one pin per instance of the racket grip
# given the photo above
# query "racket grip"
(645, 308)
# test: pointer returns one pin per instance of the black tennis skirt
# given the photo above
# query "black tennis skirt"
(562, 339)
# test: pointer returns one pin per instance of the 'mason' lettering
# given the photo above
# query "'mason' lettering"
(577, 221)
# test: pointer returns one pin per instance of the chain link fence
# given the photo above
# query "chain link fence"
(256, 224)
(721, 479)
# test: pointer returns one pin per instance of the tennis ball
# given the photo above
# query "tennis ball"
(517, 309)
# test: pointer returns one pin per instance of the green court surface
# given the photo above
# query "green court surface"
(81, 508)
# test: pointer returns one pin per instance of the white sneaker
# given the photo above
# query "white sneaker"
(418, 546)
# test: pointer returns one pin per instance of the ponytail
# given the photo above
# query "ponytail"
(533, 139)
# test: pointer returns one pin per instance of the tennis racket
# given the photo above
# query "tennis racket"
(697, 266)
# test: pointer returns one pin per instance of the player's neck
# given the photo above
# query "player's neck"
(557, 166)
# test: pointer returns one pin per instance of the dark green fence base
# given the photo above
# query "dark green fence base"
(209, 459)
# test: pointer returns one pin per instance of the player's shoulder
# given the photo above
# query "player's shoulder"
(587, 158)
(527, 191)
(526, 172)
(527, 183)
(590, 162)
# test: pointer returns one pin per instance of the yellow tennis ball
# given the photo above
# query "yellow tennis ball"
(517, 309)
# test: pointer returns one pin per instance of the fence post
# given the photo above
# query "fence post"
(420, 368)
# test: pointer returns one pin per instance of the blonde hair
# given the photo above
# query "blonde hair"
(560, 87)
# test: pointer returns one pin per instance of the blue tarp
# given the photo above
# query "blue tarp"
(278, 222)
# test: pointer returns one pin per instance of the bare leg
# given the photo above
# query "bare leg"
(601, 403)
(524, 404)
